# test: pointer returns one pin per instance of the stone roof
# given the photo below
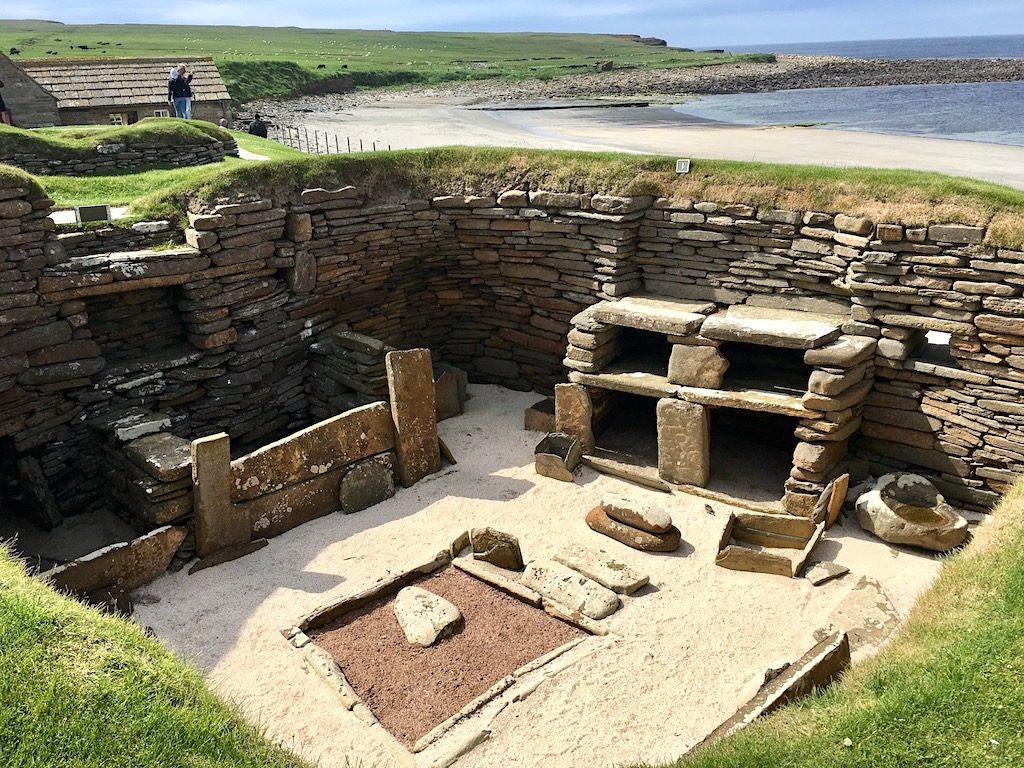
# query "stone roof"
(84, 83)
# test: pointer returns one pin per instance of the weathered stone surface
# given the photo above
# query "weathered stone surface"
(631, 381)
(218, 523)
(697, 366)
(822, 572)
(908, 509)
(750, 400)
(669, 541)
(867, 616)
(366, 483)
(162, 455)
(570, 589)
(328, 445)
(127, 566)
(956, 233)
(606, 570)
(574, 413)
(818, 457)
(853, 224)
(413, 411)
(684, 442)
(773, 327)
(649, 313)
(274, 513)
(424, 617)
(844, 352)
(636, 513)
(847, 399)
(131, 423)
(496, 547)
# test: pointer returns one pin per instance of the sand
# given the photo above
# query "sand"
(678, 654)
(415, 120)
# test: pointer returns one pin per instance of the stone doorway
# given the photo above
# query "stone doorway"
(751, 453)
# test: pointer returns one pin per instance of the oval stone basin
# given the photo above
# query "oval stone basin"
(908, 509)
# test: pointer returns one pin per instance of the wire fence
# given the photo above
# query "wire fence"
(317, 142)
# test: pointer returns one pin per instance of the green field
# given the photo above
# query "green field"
(373, 58)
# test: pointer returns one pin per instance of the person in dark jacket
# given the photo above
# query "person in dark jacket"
(257, 127)
(179, 92)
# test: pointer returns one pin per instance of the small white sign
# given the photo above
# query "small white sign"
(682, 166)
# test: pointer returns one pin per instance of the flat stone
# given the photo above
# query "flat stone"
(773, 327)
(574, 412)
(697, 366)
(649, 313)
(496, 547)
(750, 400)
(908, 509)
(557, 456)
(424, 617)
(131, 423)
(684, 442)
(604, 569)
(956, 233)
(367, 482)
(162, 455)
(327, 445)
(219, 524)
(629, 381)
(867, 615)
(844, 352)
(570, 589)
(822, 572)
(847, 399)
(635, 513)
(411, 387)
(669, 541)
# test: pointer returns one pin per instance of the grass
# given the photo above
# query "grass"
(80, 142)
(372, 57)
(946, 693)
(78, 688)
(910, 197)
(126, 187)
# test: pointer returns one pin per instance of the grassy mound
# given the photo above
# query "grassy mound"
(911, 197)
(81, 142)
(78, 688)
(947, 692)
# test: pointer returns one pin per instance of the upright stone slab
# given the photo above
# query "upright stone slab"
(218, 523)
(411, 388)
(697, 366)
(684, 442)
(574, 413)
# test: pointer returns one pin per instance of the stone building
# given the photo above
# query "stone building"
(105, 92)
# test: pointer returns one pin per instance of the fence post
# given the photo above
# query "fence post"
(348, 141)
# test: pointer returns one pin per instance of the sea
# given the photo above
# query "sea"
(986, 112)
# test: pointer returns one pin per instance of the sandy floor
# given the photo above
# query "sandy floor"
(419, 121)
(679, 653)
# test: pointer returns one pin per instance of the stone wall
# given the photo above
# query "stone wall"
(108, 158)
(84, 241)
(489, 284)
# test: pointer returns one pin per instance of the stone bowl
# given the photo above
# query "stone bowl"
(908, 509)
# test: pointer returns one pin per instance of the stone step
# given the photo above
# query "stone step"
(662, 314)
(749, 400)
(785, 328)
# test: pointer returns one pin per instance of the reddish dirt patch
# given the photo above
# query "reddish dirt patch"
(410, 689)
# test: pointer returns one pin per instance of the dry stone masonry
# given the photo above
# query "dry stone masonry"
(280, 307)
(117, 156)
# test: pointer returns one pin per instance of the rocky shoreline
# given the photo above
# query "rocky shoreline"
(788, 72)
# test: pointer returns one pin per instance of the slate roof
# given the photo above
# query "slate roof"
(84, 83)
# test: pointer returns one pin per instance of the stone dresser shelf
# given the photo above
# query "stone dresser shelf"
(785, 328)
(629, 381)
(749, 400)
(660, 314)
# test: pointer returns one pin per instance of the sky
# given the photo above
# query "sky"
(687, 23)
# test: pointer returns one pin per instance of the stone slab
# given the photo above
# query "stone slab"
(128, 565)
(636, 513)
(844, 352)
(574, 413)
(218, 523)
(789, 329)
(367, 482)
(823, 572)
(497, 548)
(412, 395)
(540, 417)
(749, 400)
(274, 513)
(697, 366)
(604, 569)
(684, 442)
(163, 456)
(323, 447)
(570, 589)
(662, 314)
(631, 382)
